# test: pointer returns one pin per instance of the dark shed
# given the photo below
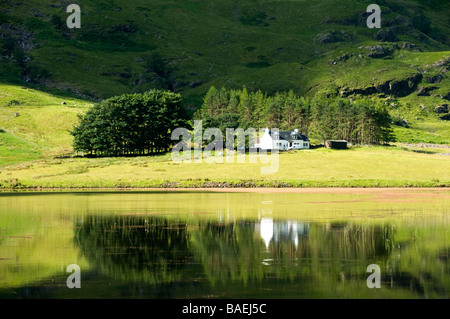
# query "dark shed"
(336, 144)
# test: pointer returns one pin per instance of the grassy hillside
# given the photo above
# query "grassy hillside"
(49, 74)
(34, 124)
(187, 46)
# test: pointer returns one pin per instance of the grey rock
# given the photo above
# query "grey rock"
(441, 109)
(434, 79)
(425, 90)
(410, 47)
(386, 35)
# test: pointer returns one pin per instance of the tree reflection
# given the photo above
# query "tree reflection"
(135, 248)
(286, 249)
(322, 257)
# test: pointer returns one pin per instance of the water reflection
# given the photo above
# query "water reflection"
(219, 245)
(315, 257)
(281, 231)
(149, 249)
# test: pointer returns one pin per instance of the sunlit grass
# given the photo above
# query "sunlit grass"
(362, 166)
(35, 124)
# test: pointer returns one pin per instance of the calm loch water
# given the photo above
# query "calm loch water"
(225, 245)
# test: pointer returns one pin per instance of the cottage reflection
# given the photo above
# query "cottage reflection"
(281, 231)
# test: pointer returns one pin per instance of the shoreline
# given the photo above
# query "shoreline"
(285, 190)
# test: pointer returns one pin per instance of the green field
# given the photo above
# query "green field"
(356, 167)
(36, 151)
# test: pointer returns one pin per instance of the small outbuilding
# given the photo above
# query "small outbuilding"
(336, 144)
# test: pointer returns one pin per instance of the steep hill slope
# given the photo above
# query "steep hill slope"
(34, 124)
(187, 46)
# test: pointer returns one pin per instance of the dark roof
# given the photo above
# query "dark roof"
(290, 136)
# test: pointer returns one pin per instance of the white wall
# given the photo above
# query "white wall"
(266, 143)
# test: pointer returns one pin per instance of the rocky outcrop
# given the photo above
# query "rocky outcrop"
(386, 35)
(425, 90)
(379, 51)
(401, 122)
(443, 65)
(393, 87)
(441, 109)
(434, 79)
(22, 37)
(342, 58)
(410, 47)
(333, 36)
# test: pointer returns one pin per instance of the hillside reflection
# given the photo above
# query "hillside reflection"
(264, 252)
(220, 245)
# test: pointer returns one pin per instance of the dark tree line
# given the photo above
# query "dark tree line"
(130, 124)
(359, 121)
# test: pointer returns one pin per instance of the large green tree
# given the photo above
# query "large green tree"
(139, 123)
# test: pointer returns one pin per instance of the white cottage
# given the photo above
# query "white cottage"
(282, 140)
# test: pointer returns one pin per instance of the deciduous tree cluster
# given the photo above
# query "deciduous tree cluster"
(130, 124)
